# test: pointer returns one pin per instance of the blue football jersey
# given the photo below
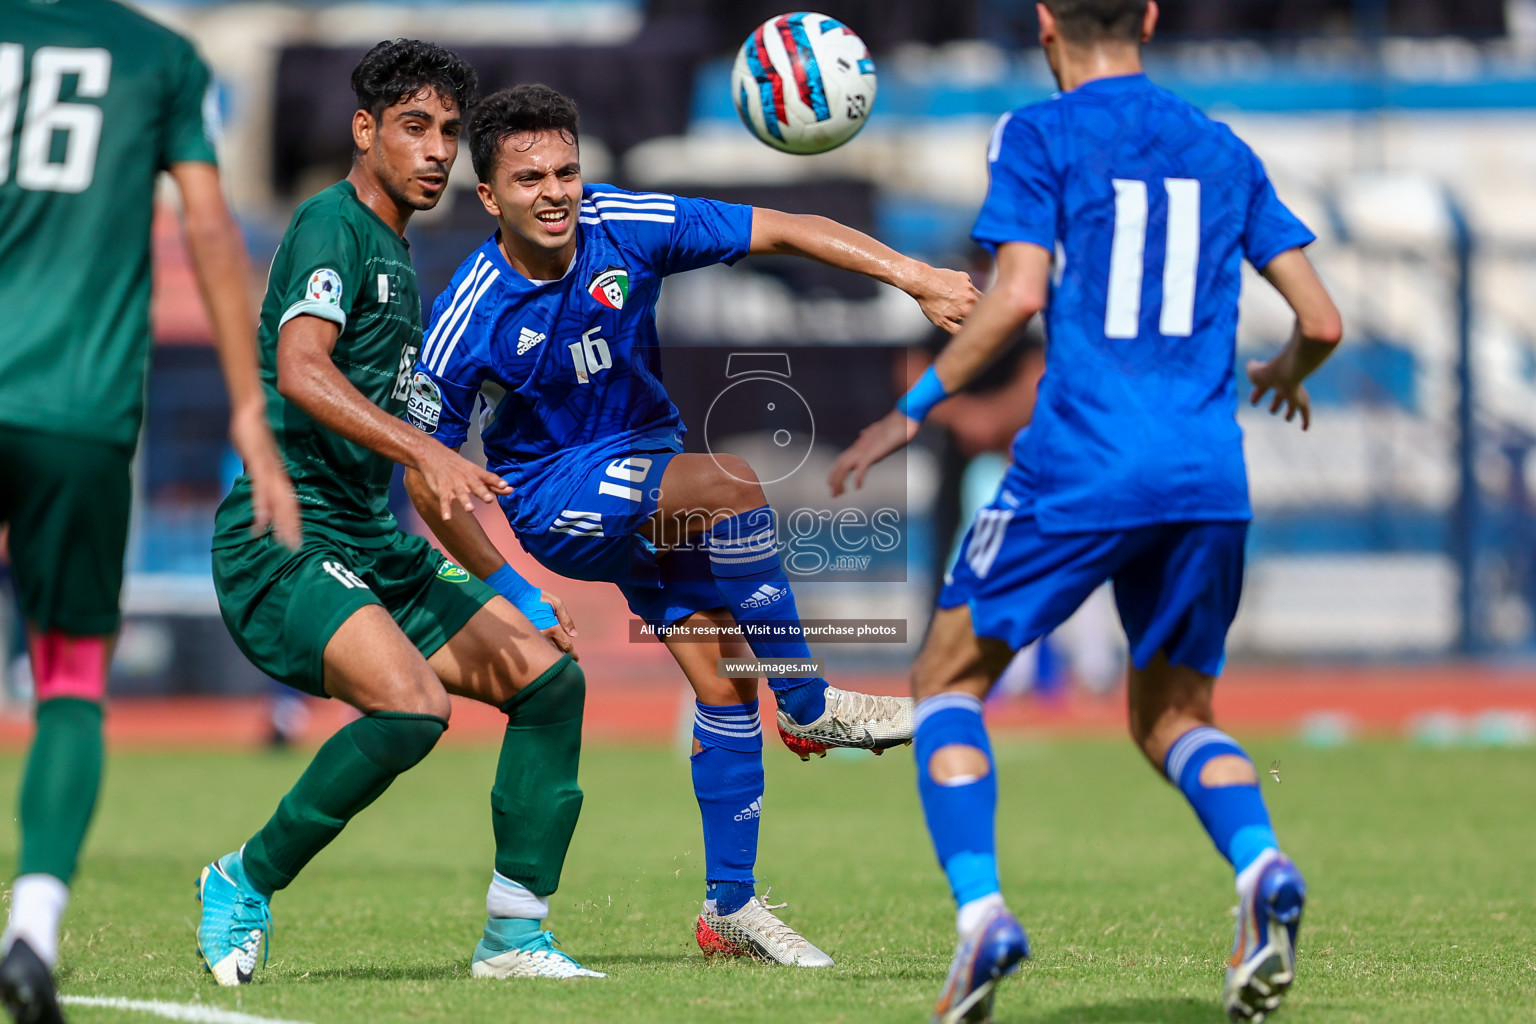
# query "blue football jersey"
(1150, 208)
(577, 358)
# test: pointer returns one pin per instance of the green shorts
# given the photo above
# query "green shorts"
(282, 607)
(66, 500)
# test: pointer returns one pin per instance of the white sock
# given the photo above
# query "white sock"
(972, 914)
(507, 898)
(37, 905)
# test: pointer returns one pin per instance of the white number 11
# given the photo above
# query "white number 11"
(1122, 311)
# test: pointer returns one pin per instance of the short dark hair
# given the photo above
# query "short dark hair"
(1095, 21)
(522, 108)
(397, 69)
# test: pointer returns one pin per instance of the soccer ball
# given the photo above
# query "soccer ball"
(803, 83)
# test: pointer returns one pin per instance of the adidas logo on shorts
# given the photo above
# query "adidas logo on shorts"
(764, 595)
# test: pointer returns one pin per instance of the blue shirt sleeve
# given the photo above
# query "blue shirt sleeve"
(448, 377)
(1024, 198)
(678, 233)
(1271, 228)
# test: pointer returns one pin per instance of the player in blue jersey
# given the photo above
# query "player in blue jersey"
(1132, 470)
(557, 312)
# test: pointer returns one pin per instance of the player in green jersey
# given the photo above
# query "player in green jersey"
(362, 611)
(95, 101)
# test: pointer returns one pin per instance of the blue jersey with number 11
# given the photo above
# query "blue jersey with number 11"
(1150, 207)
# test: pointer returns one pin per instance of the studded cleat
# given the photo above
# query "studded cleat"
(755, 931)
(982, 959)
(538, 957)
(859, 720)
(1263, 963)
(26, 987)
(236, 922)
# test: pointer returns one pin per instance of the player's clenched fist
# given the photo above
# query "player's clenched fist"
(946, 296)
(454, 480)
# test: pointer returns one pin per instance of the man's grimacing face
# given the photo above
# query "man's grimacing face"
(535, 190)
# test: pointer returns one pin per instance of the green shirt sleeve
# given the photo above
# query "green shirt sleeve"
(192, 111)
(323, 269)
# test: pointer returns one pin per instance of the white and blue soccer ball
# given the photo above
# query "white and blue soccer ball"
(803, 83)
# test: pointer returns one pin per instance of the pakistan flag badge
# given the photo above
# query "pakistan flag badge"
(452, 573)
(611, 287)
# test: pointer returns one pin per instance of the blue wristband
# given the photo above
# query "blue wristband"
(925, 394)
(524, 597)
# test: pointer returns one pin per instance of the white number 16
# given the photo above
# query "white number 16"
(1122, 311)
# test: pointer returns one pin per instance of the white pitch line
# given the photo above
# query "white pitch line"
(196, 1013)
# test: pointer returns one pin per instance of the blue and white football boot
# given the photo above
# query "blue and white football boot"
(982, 959)
(506, 951)
(236, 923)
(1263, 965)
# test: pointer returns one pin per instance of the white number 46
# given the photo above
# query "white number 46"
(590, 355)
(47, 114)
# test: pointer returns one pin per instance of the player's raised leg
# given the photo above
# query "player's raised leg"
(716, 500)
(727, 765)
(500, 658)
(957, 783)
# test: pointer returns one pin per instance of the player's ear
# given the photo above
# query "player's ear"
(1149, 21)
(1047, 24)
(363, 131)
(488, 200)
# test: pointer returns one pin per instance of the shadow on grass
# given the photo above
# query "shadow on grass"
(1130, 1011)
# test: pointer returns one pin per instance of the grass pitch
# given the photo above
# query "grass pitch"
(1420, 865)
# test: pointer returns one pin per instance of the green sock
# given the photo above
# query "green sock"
(348, 773)
(58, 792)
(536, 800)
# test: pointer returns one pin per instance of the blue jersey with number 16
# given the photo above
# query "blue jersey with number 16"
(1150, 208)
(578, 358)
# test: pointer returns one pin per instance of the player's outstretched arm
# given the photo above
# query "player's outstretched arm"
(223, 276)
(470, 546)
(308, 378)
(1023, 280)
(1316, 335)
(946, 296)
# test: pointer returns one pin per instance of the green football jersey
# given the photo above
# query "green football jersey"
(95, 101)
(338, 261)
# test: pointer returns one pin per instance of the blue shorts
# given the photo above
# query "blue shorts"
(1176, 584)
(598, 538)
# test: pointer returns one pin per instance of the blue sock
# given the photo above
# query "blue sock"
(728, 782)
(744, 557)
(1234, 816)
(960, 817)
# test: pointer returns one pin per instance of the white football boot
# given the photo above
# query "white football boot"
(859, 720)
(754, 931)
(539, 957)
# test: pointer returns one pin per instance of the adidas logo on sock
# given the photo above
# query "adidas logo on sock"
(752, 810)
(764, 595)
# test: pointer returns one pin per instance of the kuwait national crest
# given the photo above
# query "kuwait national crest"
(611, 287)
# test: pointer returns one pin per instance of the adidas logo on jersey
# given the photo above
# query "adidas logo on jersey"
(764, 595)
(752, 810)
(527, 338)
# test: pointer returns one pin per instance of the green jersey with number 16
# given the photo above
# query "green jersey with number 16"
(95, 101)
(339, 262)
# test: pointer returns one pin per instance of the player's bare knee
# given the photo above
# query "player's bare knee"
(1228, 770)
(737, 485)
(958, 764)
